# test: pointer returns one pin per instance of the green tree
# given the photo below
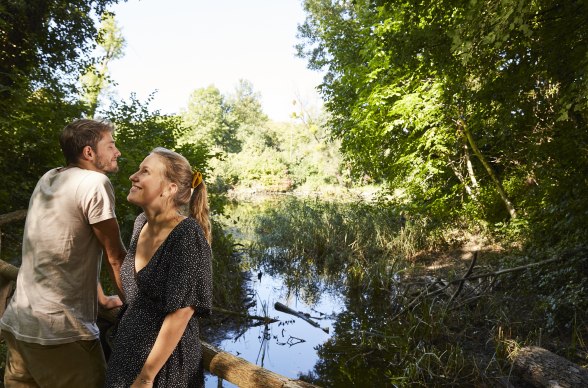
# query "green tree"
(207, 116)
(245, 107)
(458, 102)
(42, 45)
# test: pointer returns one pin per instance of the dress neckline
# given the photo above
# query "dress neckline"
(136, 243)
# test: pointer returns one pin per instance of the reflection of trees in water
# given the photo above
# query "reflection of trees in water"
(356, 353)
(314, 245)
(354, 250)
(310, 247)
(373, 345)
(300, 276)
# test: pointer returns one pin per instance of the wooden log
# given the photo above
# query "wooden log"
(542, 368)
(243, 373)
(13, 216)
(285, 309)
(8, 271)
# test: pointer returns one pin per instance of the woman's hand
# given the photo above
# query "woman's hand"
(111, 301)
(108, 302)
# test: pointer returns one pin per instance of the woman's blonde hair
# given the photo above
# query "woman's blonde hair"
(179, 171)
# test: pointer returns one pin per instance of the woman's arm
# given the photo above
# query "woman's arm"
(108, 301)
(169, 336)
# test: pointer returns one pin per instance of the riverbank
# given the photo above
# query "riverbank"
(261, 193)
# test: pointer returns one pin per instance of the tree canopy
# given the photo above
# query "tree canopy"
(480, 104)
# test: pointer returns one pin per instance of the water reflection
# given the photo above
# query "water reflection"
(287, 347)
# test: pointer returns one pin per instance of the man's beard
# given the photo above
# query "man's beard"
(102, 166)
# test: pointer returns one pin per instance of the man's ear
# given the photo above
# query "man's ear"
(88, 153)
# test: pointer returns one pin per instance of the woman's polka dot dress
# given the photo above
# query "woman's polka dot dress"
(178, 275)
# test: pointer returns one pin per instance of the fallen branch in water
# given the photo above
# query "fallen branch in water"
(285, 309)
(242, 315)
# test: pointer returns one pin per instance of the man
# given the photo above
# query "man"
(50, 323)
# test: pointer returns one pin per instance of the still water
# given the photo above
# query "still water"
(286, 347)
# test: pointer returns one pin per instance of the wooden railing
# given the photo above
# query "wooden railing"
(225, 366)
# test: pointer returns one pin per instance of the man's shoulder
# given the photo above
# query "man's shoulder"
(85, 176)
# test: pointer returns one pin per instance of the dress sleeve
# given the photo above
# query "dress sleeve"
(189, 280)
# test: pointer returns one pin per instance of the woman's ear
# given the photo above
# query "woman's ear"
(173, 189)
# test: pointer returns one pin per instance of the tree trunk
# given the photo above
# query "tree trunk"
(470, 167)
(541, 368)
(509, 206)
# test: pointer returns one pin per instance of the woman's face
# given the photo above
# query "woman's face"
(149, 183)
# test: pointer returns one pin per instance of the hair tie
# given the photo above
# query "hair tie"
(196, 178)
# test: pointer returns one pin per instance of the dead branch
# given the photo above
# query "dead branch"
(242, 315)
(285, 309)
(468, 273)
(425, 293)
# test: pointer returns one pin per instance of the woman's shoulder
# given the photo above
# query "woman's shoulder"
(188, 227)
(189, 230)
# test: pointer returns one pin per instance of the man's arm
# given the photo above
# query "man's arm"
(108, 234)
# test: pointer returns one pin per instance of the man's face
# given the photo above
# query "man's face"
(106, 154)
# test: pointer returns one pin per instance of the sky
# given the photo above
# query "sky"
(176, 46)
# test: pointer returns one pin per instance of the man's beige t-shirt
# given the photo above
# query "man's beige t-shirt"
(56, 300)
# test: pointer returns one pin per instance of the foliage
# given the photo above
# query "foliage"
(42, 45)
(374, 259)
(208, 117)
(252, 151)
(451, 99)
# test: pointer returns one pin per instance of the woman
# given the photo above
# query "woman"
(166, 278)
